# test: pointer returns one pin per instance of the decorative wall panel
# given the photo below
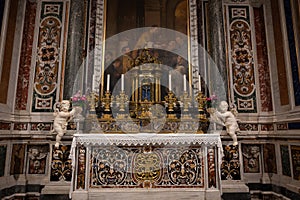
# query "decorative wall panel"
(270, 165)
(251, 158)
(285, 160)
(262, 61)
(230, 168)
(61, 169)
(241, 58)
(2, 159)
(49, 49)
(293, 51)
(17, 159)
(26, 56)
(148, 167)
(37, 158)
(295, 151)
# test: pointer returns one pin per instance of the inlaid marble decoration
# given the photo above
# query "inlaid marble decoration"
(212, 179)
(251, 158)
(270, 165)
(2, 159)
(147, 167)
(49, 53)
(295, 151)
(241, 58)
(285, 160)
(230, 168)
(37, 158)
(26, 56)
(262, 61)
(17, 159)
(5, 125)
(61, 164)
(81, 168)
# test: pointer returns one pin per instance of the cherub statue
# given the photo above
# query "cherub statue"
(62, 117)
(227, 119)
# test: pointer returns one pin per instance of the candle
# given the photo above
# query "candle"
(108, 80)
(199, 83)
(184, 82)
(170, 84)
(122, 82)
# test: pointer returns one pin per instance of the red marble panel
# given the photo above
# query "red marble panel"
(5, 125)
(25, 59)
(262, 61)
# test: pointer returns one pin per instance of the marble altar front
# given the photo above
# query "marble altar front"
(146, 165)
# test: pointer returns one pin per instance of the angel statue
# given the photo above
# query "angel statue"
(62, 117)
(227, 119)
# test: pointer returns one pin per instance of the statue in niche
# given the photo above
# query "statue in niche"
(227, 119)
(62, 117)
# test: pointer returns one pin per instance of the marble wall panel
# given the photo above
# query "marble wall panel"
(251, 158)
(2, 159)
(37, 158)
(295, 152)
(262, 61)
(230, 168)
(17, 159)
(26, 56)
(61, 169)
(241, 55)
(270, 165)
(285, 160)
(49, 56)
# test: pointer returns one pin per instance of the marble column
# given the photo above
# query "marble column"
(216, 48)
(75, 51)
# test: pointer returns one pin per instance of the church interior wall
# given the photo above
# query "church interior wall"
(267, 158)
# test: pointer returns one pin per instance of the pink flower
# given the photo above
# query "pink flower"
(83, 98)
(74, 98)
(208, 99)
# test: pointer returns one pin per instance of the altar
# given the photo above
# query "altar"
(146, 166)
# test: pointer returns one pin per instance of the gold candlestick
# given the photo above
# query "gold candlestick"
(171, 100)
(121, 100)
(201, 99)
(93, 99)
(107, 105)
(186, 100)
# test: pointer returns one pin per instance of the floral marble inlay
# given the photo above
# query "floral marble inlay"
(61, 169)
(48, 59)
(230, 168)
(148, 167)
(241, 58)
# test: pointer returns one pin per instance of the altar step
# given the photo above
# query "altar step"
(145, 194)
